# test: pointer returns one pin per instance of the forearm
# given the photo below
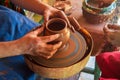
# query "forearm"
(10, 48)
(33, 5)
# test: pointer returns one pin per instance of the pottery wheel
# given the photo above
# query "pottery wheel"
(72, 53)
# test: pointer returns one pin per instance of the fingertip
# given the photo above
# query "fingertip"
(48, 57)
(46, 18)
(60, 42)
(39, 30)
(57, 35)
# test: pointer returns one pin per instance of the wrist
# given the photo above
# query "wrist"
(21, 46)
(10, 48)
(25, 46)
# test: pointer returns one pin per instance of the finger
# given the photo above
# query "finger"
(39, 30)
(48, 48)
(63, 15)
(51, 47)
(46, 16)
(49, 38)
(51, 54)
(47, 54)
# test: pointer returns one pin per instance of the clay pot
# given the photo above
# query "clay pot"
(61, 72)
(98, 12)
(58, 26)
(67, 62)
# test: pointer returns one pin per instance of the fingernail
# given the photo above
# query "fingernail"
(57, 35)
(60, 42)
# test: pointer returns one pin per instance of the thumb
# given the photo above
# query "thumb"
(46, 16)
(39, 30)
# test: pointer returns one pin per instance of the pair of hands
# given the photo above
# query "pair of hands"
(37, 45)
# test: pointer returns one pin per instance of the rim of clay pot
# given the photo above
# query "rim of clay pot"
(56, 19)
(100, 10)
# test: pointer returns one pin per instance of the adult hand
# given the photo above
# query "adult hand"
(52, 12)
(36, 45)
(112, 34)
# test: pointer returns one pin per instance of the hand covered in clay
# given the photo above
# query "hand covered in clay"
(112, 34)
(36, 45)
(55, 13)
